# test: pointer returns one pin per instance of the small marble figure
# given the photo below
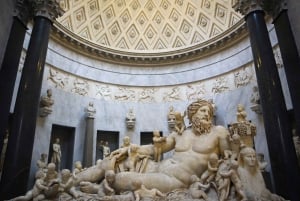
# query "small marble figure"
(235, 146)
(51, 175)
(77, 168)
(51, 180)
(197, 189)
(56, 153)
(234, 178)
(90, 110)
(241, 114)
(67, 183)
(158, 142)
(143, 192)
(46, 104)
(42, 162)
(179, 123)
(106, 149)
(130, 119)
(133, 158)
(212, 168)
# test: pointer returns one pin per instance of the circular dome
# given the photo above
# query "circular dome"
(148, 30)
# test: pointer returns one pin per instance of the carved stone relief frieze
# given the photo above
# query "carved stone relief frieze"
(194, 92)
(191, 91)
(81, 87)
(103, 91)
(243, 77)
(147, 95)
(58, 78)
(220, 85)
(172, 95)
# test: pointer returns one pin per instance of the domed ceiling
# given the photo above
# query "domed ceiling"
(148, 28)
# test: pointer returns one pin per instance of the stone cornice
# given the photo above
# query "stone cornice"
(49, 9)
(155, 58)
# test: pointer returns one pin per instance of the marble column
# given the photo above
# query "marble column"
(20, 144)
(9, 69)
(290, 56)
(89, 136)
(278, 131)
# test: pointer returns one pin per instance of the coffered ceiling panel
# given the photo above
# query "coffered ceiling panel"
(147, 25)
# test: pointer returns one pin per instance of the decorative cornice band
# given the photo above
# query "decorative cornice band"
(159, 58)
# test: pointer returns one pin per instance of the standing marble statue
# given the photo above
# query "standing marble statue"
(106, 149)
(56, 153)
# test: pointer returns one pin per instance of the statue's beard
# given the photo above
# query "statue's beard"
(201, 126)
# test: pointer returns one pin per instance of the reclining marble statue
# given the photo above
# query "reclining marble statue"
(191, 154)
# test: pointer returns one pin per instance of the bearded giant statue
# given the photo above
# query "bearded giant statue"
(197, 169)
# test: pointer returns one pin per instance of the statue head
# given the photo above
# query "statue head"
(200, 114)
(65, 174)
(40, 174)
(126, 141)
(78, 165)
(156, 133)
(51, 167)
(240, 108)
(194, 178)
(247, 158)
(57, 140)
